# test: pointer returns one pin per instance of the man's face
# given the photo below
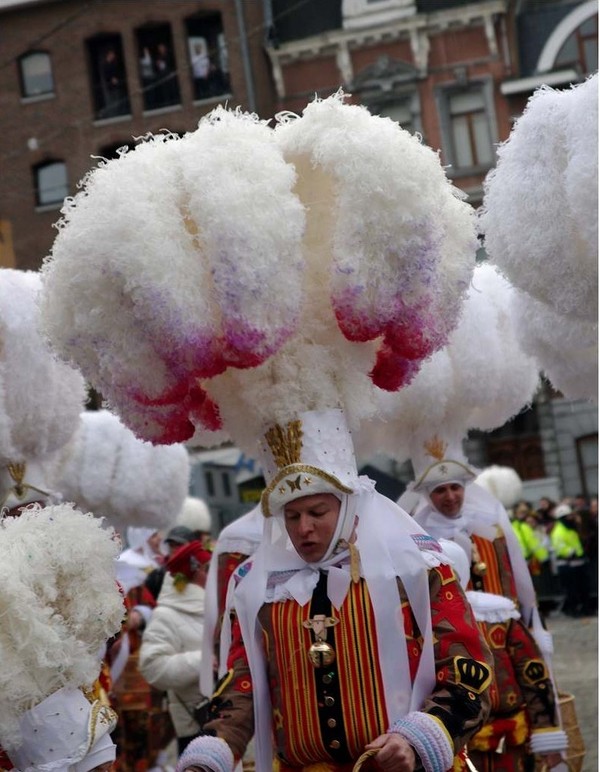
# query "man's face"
(448, 498)
(310, 522)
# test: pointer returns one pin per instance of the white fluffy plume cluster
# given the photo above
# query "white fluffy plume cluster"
(59, 604)
(40, 397)
(540, 220)
(480, 380)
(502, 482)
(106, 469)
(191, 277)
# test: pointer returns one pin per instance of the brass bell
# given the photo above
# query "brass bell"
(321, 654)
(479, 568)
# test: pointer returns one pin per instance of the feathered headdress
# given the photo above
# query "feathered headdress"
(40, 397)
(59, 604)
(106, 469)
(480, 380)
(232, 279)
(503, 482)
(540, 221)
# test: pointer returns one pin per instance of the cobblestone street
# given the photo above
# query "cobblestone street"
(576, 672)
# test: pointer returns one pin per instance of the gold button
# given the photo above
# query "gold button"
(335, 744)
(329, 701)
(331, 722)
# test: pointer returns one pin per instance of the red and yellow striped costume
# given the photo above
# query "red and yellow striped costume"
(326, 715)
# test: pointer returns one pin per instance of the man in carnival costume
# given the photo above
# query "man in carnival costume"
(52, 680)
(59, 608)
(357, 608)
(338, 265)
(524, 715)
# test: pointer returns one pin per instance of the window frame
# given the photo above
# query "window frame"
(37, 171)
(443, 95)
(209, 28)
(583, 469)
(40, 95)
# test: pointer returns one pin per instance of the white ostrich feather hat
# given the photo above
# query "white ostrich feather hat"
(40, 397)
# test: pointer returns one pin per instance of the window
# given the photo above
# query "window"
(467, 126)
(51, 183)
(109, 80)
(36, 74)
(580, 49)
(400, 112)
(388, 87)
(209, 58)
(587, 456)
(210, 483)
(157, 68)
(470, 130)
(226, 484)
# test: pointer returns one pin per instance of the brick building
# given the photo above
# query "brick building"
(458, 72)
(80, 79)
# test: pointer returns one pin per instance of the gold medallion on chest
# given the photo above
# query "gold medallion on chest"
(320, 653)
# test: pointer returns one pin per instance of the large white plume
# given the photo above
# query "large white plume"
(212, 285)
(106, 469)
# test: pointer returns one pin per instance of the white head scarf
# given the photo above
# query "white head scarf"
(387, 543)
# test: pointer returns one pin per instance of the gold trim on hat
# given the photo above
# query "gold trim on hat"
(299, 482)
(285, 443)
(439, 463)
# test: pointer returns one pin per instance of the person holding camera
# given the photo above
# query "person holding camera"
(171, 650)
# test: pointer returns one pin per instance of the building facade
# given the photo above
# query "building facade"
(459, 73)
(81, 79)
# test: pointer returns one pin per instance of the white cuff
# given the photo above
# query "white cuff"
(429, 738)
(208, 752)
(548, 741)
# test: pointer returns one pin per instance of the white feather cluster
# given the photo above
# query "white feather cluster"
(106, 469)
(40, 397)
(176, 261)
(193, 277)
(502, 482)
(480, 380)
(566, 349)
(59, 604)
(540, 208)
(540, 218)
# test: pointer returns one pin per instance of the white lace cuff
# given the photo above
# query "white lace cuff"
(545, 741)
(429, 738)
(208, 752)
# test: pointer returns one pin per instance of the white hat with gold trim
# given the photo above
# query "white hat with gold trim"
(439, 463)
(310, 454)
(65, 732)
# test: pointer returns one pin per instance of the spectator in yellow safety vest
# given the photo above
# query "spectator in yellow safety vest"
(533, 549)
(571, 562)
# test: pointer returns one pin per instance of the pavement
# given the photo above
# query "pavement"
(575, 666)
